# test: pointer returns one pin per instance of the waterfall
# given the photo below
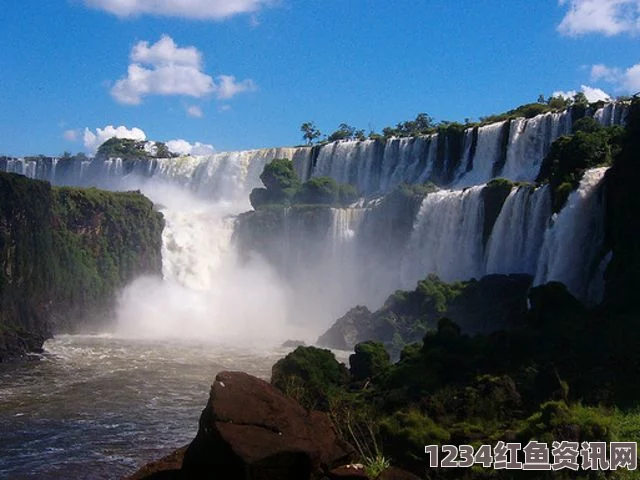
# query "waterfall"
(326, 260)
(572, 244)
(446, 238)
(373, 166)
(612, 114)
(530, 140)
(485, 156)
(516, 238)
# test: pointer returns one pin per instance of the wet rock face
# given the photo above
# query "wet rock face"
(353, 327)
(250, 430)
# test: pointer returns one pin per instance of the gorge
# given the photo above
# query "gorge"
(243, 280)
(469, 228)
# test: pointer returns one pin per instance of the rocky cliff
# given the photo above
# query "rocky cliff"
(64, 254)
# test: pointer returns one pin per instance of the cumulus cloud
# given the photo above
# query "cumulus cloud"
(228, 87)
(71, 135)
(602, 72)
(92, 140)
(624, 80)
(194, 111)
(592, 94)
(192, 9)
(608, 17)
(162, 69)
(182, 147)
(166, 69)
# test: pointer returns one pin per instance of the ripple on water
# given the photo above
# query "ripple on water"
(100, 406)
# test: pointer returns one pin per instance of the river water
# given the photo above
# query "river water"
(98, 407)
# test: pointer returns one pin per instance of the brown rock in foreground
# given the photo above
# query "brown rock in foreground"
(167, 468)
(250, 430)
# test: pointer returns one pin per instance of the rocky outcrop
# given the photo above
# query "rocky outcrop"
(251, 430)
(167, 468)
(353, 327)
(492, 303)
(64, 255)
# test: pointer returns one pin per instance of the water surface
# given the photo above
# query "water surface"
(99, 407)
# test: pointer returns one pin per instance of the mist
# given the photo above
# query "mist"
(207, 292)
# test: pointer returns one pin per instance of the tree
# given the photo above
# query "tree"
(318, 191)
(309, 132)
(281, 182)
(344, 132)
(580, 99)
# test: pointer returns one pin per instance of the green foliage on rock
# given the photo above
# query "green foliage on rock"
(130, 149)
(103, 240)
(370, 360)
(312, 374)
(283, 187)
(318, 191)
(346, 132)
(496, 301)
(590, 146)
(64, 254)
(280, 178)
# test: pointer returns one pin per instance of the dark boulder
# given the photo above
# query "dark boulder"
(353, 327)
(251, 430)
(167, 468)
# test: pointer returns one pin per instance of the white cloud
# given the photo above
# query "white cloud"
(92, 140)
(563, 94)
(631, 79)
(193, 9)
(602, 72)
(608, 17)
(182, 147)
(70, 135)
(228, 87)
(592, 94)
(166, 69)
(163, 69)
(194, 111)
(166, 52)
(625, 81)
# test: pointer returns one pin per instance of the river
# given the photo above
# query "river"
(100, 406)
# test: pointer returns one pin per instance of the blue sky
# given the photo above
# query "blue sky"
(238, 74)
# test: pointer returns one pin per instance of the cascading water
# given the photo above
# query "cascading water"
(486, 152)
(446, 238)
(327, 272)
(516, 238)
(572, 244)
(529, 141)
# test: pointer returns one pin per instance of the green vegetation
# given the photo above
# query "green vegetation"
(129, 149)
(550, 370)
(424, 124)
(64, 253)
(283, 187)
(494, 302)
(312, 373)
(554, 377)
(590, 146)
(102, 241)
(346, 132)
(309, 132)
